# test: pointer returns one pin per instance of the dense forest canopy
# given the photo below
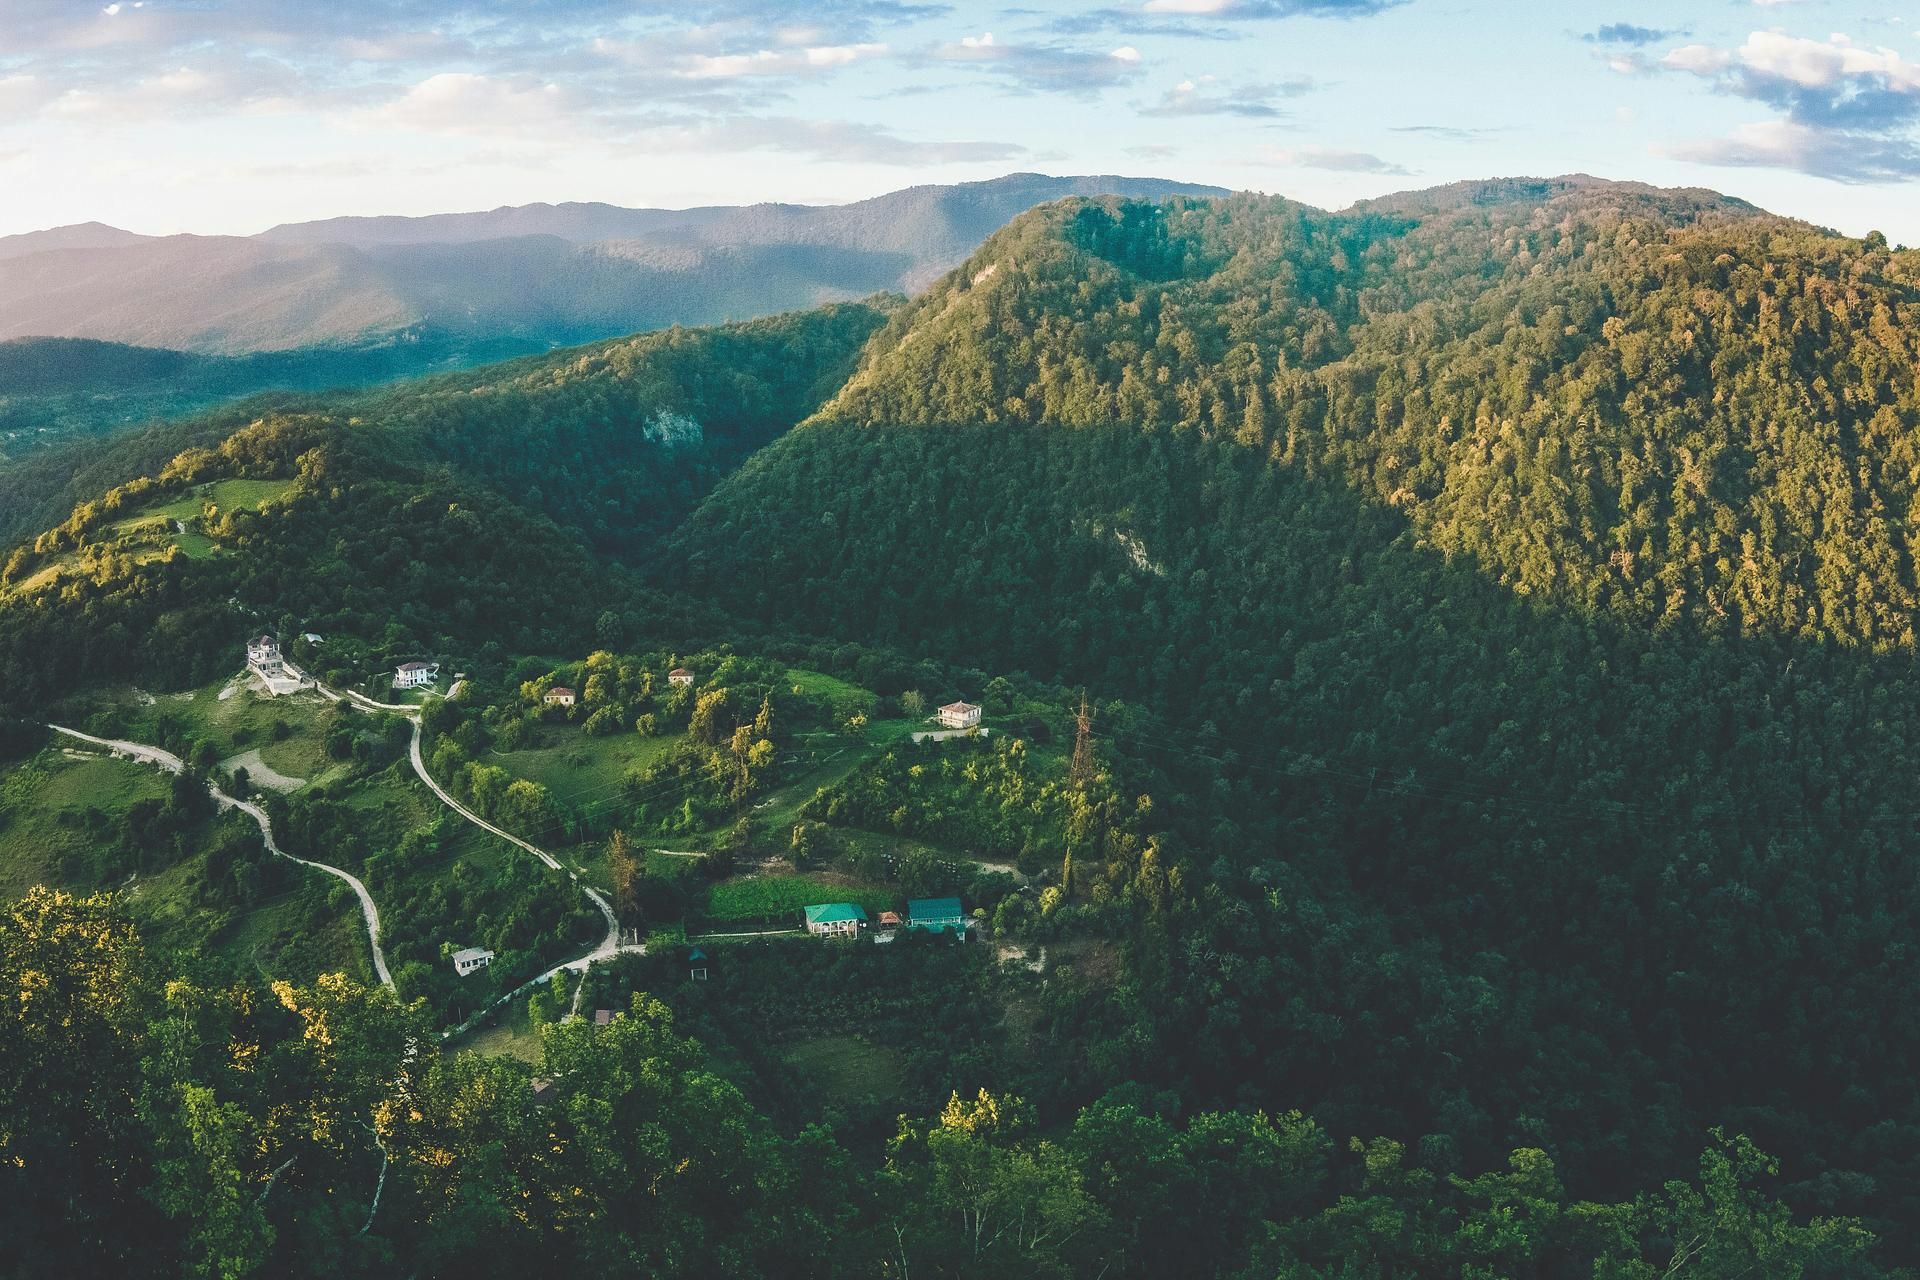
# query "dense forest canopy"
(1651, 405)
(1528, 575)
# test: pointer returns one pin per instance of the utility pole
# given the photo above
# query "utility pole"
(1081, 771)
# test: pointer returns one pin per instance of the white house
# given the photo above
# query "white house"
(680, 676)
(415, 675)
(959, 715)
(471, 960)
(560, 696)
(263, 651)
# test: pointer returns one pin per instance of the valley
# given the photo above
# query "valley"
(1245, 736)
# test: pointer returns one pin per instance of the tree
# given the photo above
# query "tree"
(626, 869)
(972, 1185)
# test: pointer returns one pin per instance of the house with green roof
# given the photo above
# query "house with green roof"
(937, 915)
(836, 919)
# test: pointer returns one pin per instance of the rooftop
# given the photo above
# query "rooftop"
(836, 913)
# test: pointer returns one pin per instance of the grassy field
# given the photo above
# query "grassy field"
(225, 495)
(847, 1070)
(45, 839)
(246, 721)
(582, 770)
(149, 534)
(846, 698)
(262, 937)
(41, 804)
(780, 898)
(511, 1036)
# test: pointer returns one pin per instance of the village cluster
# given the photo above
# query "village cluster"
(927, 915)
(826, 920)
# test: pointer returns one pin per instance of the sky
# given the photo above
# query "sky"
(230, 116)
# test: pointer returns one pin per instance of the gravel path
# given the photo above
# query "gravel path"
(174, 764)
(605, 949)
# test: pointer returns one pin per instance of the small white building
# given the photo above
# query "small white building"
(560, 696)
(471, 960)
(680, 676)
(959, 715)
(416, 675)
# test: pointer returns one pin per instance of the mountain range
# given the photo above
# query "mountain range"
(541, 274)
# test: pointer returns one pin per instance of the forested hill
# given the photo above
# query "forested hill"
(477, 511)
(1537, 571)
(617, 439)
(1652, 404)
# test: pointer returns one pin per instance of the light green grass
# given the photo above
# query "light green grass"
(512, 1036)
(847, 1069)
(777, 896)
(582, 770)
(35, 843)
(245, 721)
(843, 696)
(260, 937)
(225, 495)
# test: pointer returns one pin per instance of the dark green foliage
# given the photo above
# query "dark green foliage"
(1528, 593)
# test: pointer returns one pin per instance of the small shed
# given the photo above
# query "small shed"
(937, 915)
(471, 960)
(603, 1017)
(835, 919)
(697, 965)
(889, 920)
(543, 1091)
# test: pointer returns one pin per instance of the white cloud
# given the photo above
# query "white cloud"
(1188, 6)
(1126, 53)
(778, 62)
(1814, 64)
(465, 103)
(1699, 59)
(1824, 153)
(1799, 60)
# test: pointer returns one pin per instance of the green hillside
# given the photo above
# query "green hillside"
(618, 438)
(1530, 582)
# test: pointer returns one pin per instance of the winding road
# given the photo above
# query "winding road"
(174, 764)
(606, 949)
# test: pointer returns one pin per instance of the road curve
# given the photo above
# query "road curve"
(608, 947)
(174, 764)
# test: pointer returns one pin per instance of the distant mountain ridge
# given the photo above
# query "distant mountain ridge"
(544, 274)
